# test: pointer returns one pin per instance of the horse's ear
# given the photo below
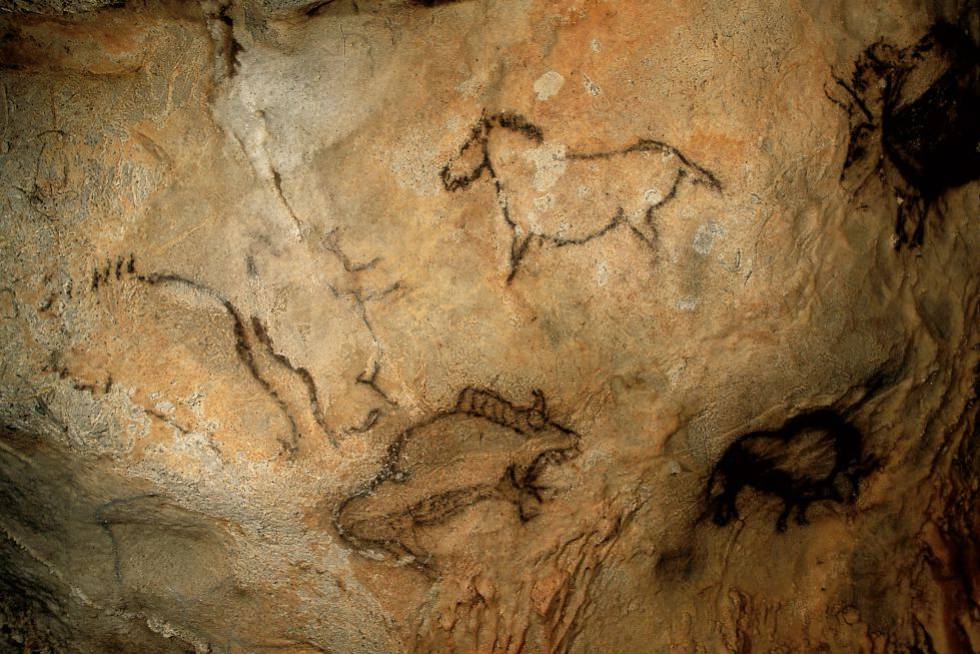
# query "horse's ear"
(471, 161)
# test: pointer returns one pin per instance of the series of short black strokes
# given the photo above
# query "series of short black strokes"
(125, 267)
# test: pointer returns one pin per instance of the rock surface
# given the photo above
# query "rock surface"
(481, 326)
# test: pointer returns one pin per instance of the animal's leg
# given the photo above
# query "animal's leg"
(801, 508)
(645, 230)
(528, 507)
(832, 492)
(725, 510)
(855, 481)
(781, 520)
(918, 236)
(518, 250)
(512, 489)
(910, 216)
(644, 226)
(411, 551)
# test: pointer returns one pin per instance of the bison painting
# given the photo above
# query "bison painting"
(485, 448)
(814, 456)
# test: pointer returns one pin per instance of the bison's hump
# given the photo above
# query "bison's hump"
(810, 454)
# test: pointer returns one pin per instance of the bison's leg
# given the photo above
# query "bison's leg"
(725, 509)
(801, 508)
(788, 505)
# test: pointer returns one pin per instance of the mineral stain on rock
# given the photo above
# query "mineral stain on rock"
(298, 419)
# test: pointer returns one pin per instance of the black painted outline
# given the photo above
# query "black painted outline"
(479, 137)
(517, 484)
(873, 132)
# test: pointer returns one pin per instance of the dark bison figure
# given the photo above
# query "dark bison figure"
(915, 123)
(814, 456)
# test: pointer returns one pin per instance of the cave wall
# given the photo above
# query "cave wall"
(487, 326)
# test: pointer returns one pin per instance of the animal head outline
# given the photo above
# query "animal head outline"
(473, 158)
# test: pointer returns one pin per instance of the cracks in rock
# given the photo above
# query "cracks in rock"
(277, 177)
(277, 185)
(332, 244)
(575, 598)
(39, 195)
(773, 462)
(384, 514)
(170, 422)
(371, 381)
(243, 349)
(106, 525)
(360, 300)
(40, 409)
(370, 420)
(919, 143)
(255, 349)
(153, 623)
(184, 430)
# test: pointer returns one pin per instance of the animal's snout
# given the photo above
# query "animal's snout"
(467, 165)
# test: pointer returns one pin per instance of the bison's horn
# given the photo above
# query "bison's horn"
(538, 413)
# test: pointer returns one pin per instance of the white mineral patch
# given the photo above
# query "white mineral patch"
(544, 202)
(601, 273)
(653, 196)
(704, 238)
(548, 85)
(548, 161)
(688, 303)
(165, 407)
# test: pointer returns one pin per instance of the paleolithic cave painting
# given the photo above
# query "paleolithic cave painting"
(483, 448)
(291, 387)
(913, 123)
(814, 456)
(593, 196)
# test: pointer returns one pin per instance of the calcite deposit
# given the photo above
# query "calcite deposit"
(489, 326)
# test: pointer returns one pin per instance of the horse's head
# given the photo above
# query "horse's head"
(471, 161)
(473, 158)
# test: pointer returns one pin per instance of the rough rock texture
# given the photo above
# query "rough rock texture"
(483, 326)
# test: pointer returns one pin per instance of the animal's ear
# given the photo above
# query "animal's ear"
(471, 161)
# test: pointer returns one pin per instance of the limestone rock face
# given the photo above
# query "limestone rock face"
(482, 326)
